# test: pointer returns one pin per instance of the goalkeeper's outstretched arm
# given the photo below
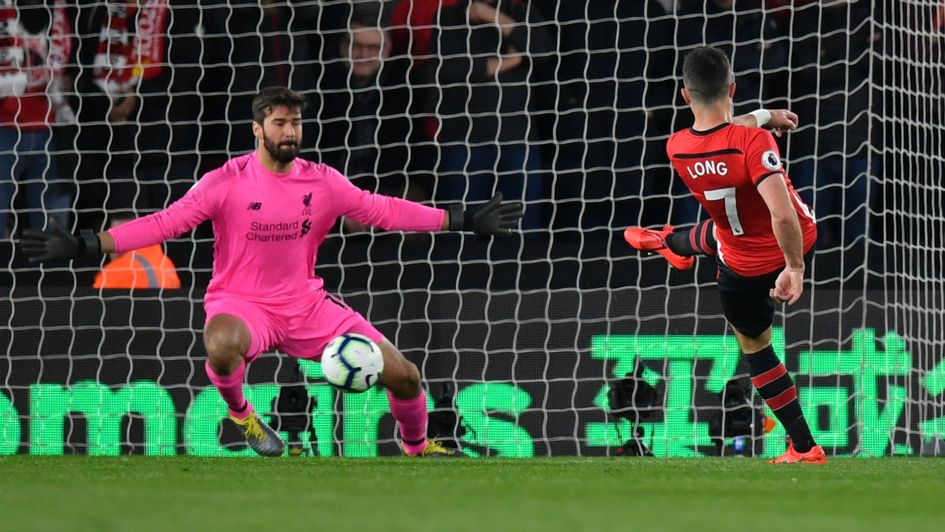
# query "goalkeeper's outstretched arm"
(197, 205)
(496, 217)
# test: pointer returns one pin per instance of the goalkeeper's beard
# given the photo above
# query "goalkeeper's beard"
(283, 153)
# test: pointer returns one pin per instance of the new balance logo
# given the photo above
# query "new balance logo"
(254, 206)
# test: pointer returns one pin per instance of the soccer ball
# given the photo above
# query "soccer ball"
(352, 363)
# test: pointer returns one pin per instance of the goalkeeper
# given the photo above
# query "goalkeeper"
(270, 212)
(760, 230)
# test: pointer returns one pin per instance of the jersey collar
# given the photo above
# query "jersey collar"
(709, 131)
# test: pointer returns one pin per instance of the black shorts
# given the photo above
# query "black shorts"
(746, 301)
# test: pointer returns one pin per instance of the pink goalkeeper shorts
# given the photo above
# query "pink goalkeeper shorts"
(301, 329)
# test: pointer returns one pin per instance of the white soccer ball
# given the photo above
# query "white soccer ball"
(352, 363)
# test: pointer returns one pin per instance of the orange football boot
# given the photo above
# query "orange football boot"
(815, 455)
(645, 239)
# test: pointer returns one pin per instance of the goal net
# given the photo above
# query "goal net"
(559, 340)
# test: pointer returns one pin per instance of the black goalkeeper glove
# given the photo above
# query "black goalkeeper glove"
(58, 243)
(493, 218)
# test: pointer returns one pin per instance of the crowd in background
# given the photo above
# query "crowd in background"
(117, 107)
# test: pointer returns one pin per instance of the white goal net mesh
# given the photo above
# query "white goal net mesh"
(560, 340)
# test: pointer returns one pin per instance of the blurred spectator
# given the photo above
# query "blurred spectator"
(830, 88)
(486, 53)
(412, 34)
(754, 42)
(134, 137)
(35, 40)
(251, 45)
(412, 24)
(361, 126)
(939, 17)
(782, 11)
(142, 268)
(614, 109)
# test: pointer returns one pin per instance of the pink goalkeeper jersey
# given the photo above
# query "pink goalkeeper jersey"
(268, 226)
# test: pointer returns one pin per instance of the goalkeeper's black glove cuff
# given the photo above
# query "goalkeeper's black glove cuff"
(89, 244)
(460, 220)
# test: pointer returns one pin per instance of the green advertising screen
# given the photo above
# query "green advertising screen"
(857, 398)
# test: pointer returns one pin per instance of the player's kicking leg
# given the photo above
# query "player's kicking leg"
(408, 405)
(678, 246)
(227, 341)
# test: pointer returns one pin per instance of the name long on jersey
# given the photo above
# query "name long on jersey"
(723, 167)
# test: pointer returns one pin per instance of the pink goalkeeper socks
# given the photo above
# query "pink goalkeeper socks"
(411, 416)
(231, 389)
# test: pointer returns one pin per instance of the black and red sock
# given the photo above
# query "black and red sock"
(697, 240)
(774, 383)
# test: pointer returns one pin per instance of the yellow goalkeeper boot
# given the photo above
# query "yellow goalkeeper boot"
(259, 436)
(436, 449)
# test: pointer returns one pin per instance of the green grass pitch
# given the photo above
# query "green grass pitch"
(179, 494)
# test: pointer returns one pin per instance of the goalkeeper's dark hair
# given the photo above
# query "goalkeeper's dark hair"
(274, 96)
(707, 74)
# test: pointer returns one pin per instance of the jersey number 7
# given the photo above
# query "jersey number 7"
(731, 207)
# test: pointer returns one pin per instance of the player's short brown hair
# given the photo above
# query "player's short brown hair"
(273, 96)
(707, 74)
